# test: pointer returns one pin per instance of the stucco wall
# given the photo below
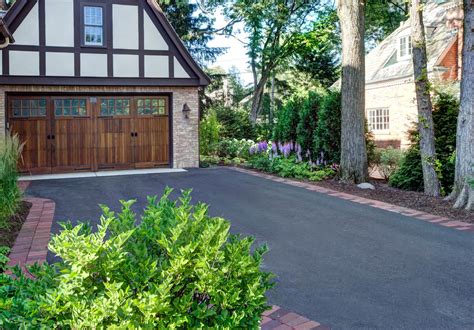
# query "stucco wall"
(399, 97)
(185, 130)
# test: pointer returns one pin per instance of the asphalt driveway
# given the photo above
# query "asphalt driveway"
(343, 264)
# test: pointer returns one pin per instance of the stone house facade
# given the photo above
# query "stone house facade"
(92, 86)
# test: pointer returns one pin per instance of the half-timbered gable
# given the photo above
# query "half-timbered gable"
(97, 84)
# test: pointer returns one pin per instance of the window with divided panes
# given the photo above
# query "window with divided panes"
(379, 119)
(151, 106)
(24, 108)
(114, 107)
(70, 107)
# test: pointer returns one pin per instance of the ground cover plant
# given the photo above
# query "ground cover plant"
(286, 160)
(175, 268)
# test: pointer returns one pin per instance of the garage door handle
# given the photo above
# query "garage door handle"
(134, 134)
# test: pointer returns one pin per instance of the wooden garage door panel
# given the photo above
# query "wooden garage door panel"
(72, 135)
(114, 142)
(28, 117)
(35, 156)
(151, 125)
(151, 145)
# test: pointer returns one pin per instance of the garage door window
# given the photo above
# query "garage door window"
(25, 108)
(114, 107)
(155, 106)
(70, 107)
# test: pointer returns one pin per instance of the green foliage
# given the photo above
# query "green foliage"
(327, 137)
(235, 123)
(289, 167)
(209, 129)
(176, 267)
(194, 27)
(308, 122)
(285, 129)
(316, 52)
(445, 115)
(388, 161)
(232, 148)
(382, 17)
(3, 258)
(410, 174)
(10, 194)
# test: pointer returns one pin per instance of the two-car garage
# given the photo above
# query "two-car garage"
(66, 133)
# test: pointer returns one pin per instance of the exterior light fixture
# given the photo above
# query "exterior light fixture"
(186, 110)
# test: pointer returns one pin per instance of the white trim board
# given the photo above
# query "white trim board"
(99, 174)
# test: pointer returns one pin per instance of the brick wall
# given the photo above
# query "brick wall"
(185, 130)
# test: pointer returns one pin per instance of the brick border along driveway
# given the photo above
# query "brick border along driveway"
(31, 245)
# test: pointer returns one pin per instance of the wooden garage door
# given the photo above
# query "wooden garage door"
(77, 133)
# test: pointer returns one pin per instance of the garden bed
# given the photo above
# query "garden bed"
(8, 235)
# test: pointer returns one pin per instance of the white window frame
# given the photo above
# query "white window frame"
(404, 48)
(378, 119)
(96, 22)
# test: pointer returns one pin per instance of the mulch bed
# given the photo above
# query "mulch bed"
(410, 199)
(8, 235)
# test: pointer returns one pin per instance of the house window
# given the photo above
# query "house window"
(155, 106)
(70, 108)
(114, 107)
(29, 108)
(93, 26)
(404, 47)
(379, 119)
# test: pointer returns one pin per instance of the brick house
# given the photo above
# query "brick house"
(390, 90)
(93, 85)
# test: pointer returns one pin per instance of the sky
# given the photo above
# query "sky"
(236, 53)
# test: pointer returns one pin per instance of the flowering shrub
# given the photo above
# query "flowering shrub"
(232, 148)
(176, 267)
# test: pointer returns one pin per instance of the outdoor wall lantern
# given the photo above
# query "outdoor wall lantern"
(186, 110)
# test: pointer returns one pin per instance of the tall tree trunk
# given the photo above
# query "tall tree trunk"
(257, 98)
(463, 192)
(353, 148)
(272, 101)
(423, 100)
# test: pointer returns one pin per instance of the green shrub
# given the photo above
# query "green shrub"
(308, 121)
(445, 116)
(387, 161)
(10, 194)
(232, 148)
(289, 167)
(327, 138)
(209, 129)
(285, 129)
(174, 268)
(410, 174)
(235, 123)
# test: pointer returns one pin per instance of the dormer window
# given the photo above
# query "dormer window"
(404, 48)
(93, 26)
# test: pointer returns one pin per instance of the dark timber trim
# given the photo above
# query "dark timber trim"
(177, 50)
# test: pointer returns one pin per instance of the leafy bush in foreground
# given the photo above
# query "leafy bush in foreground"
(176, 268)
(387, 161)
(10, 194)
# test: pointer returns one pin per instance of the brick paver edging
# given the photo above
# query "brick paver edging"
(31, 245)
(420, 215)
(278, 318)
